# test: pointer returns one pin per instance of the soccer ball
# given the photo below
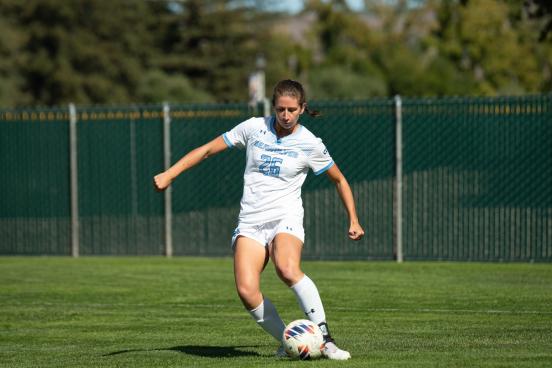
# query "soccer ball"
(303, 340)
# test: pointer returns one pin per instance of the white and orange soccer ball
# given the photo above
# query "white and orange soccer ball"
(303, 340)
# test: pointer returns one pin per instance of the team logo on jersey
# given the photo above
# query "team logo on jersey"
(275, 149)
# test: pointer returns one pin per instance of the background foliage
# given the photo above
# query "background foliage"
(120, 51)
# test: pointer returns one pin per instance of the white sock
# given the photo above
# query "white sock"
(268, 318)
(309, 300)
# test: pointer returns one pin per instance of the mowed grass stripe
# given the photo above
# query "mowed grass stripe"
(112, 306)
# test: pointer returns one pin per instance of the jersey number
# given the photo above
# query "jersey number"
(270, 165)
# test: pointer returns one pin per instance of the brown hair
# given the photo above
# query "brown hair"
(291, 88)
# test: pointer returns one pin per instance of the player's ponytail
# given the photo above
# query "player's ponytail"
(292, 88)
(312, 113)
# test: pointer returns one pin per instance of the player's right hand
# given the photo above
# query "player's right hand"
(161, 182)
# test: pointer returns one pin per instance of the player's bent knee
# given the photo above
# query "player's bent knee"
(250, 296)
(290, 275)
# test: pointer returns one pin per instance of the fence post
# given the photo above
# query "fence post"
(266, 107)
(168, 191)
(73, 164)
(398, 180)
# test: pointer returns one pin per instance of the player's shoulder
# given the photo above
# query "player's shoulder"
(309, 137)
(309, 143)
(256, 122)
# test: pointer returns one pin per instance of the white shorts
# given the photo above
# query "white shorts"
(265, 233)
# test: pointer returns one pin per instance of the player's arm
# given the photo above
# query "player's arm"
(163, 180)
(345, 193)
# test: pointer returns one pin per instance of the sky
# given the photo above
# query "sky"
(291, 6)
(294, 6)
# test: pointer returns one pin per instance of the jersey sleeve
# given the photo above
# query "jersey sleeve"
(319, 159)
(238, 135)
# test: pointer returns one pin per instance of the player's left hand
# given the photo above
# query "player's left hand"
(355, 232)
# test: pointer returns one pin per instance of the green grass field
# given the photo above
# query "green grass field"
(184, 312)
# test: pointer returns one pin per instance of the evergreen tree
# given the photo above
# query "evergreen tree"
(212, 43)
(79, 51)
(11, 83)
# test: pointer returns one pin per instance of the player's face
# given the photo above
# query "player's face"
(287, 111)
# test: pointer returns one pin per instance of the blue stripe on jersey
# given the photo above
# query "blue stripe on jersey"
(324, 169)
(227, 141)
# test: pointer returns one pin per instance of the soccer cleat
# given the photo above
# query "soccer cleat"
(331, 351)
(281, 352)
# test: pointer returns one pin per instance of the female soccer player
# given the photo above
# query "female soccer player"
(279, 153)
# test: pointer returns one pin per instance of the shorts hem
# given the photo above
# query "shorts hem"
(233, 245)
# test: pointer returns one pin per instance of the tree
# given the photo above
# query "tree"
(213, 44)
(408, 51)
(156, 86)
(11, 41)
(542, 11)
(342, 45)
(123, 51)
(335, 82)
(75, 52)
(480, 38)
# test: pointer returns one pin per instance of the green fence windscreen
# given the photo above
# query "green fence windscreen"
(206, 199)
(34, 182)
(118, 153)
(360, 138)
(477, 180)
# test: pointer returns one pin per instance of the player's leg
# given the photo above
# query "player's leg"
(286, 256)
(309, 299)
(250, 258)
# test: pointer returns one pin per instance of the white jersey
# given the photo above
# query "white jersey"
(275, 169)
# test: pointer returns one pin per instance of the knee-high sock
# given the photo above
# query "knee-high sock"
(268, 318)
(309, 300)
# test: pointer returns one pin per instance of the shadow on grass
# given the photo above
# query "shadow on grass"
(198, 350)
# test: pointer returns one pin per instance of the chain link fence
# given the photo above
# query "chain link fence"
(478, 179)
(475, 175)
